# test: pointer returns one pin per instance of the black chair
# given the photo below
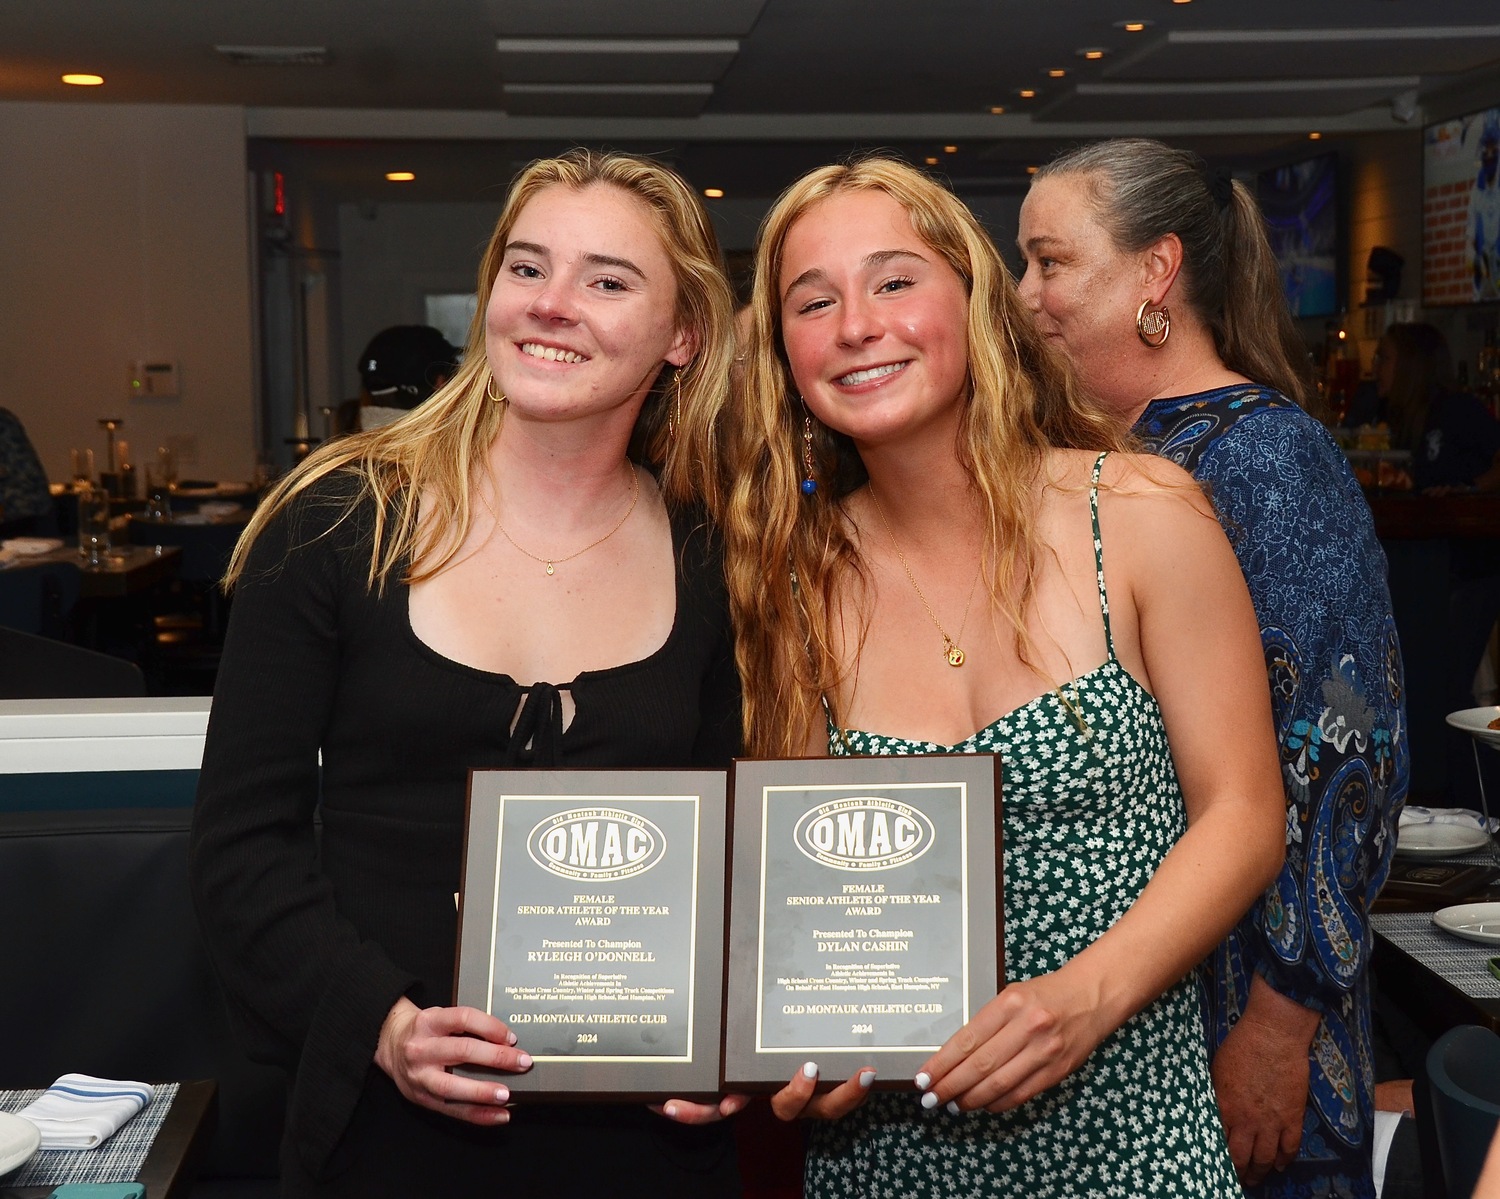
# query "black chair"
(40, 668)
(1462, 1101)
(188, 626)
(39, 598)
(106, 975)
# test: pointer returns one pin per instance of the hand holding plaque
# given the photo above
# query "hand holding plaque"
(865, 913)
(591, 924)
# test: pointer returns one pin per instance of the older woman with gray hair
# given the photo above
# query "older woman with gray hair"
(1153, 274)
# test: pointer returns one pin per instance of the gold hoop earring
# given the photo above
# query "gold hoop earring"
(493, 396)
(1153, 328)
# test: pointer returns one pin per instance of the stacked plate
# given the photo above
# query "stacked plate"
(1471, 921)
(18, 1141)
(1476, 722)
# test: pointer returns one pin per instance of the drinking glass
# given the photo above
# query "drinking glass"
(83, 467)
(158, 494)
(93, 524)
(166, 462)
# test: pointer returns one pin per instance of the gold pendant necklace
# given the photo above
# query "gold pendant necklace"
(951, 649)
(551, 563)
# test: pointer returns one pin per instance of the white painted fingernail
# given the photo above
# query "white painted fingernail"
(502, 1095)
(930, 1100)
(923, 1080)
(866, 1077)
(523, 1061)
(810, 1070)
(510, 1038)
(953, 1107)
(670, 1111)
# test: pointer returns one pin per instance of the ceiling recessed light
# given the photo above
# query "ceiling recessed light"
(1032, 170)
(1314, 136)
(1092, 53)
(714, 193)
(1027, 93)
(1056, 73)
(400, 176)
(997, 110)
(1132, 26)
(932, 162)
(83, 80)
(1182, 1)
(950, 149)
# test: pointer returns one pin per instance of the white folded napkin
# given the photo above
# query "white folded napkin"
(215, 508)
(82, 1112)
(1467, 817)
(1386, 1124)
(31, 545)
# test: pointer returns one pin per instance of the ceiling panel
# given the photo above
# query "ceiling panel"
(607, 100)
(1310, 53)
(624, 18)
(1245, 100)
(623, 60)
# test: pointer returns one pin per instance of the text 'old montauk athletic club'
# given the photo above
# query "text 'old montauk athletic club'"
(863, 833)
(596, 843)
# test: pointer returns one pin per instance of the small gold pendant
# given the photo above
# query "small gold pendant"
(954, 655)
(549, 569)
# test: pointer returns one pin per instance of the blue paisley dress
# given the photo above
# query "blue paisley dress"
(1306, 542)
(1092, 805)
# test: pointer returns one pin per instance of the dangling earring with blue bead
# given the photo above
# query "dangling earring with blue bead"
(810, 482)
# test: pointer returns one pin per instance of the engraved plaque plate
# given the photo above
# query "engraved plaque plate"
(591, 922)
(865, 917)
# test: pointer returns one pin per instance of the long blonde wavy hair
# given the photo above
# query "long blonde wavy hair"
(438, 446)
(787, 553)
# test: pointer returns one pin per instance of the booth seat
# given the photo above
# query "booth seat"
(106, 972)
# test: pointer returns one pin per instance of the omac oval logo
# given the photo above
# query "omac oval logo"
(864, 833)
(596, 843)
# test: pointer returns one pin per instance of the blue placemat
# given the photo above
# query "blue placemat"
(1460, 962)
(117, 1160)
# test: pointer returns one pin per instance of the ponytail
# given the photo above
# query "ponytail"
(1254, 332)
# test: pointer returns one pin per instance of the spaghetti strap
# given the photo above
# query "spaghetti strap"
(1109, 639)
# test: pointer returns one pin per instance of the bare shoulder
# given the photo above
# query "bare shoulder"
(1152, 489)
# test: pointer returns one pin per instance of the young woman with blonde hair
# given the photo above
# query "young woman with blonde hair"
(923, 520)
(499, 578)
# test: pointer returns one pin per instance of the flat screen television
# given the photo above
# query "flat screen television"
(1461, 210)
(1301, 206)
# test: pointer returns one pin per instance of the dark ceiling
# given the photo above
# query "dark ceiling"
(745, 94)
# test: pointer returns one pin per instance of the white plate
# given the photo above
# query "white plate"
(1472, 921)
(18, 1141)
(1439, 840)
(1476, 721)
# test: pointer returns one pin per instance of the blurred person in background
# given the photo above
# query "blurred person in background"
(1453, 438)
(26, 507)
(399, 368)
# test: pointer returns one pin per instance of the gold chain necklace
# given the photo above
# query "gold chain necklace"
(951, 649)
(550, 563)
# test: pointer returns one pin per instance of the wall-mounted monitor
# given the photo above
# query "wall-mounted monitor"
(1461, 210)
(1301, 206)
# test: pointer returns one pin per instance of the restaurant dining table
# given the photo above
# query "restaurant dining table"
(125, 570)
(1440, 980)
(172, 1162)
